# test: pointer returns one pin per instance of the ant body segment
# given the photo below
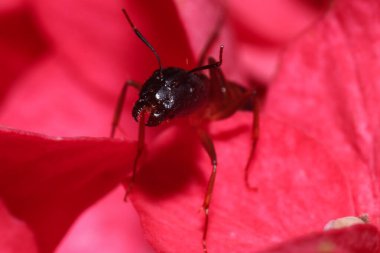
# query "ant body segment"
(172, 92)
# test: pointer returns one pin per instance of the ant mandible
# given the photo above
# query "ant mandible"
(172, 92)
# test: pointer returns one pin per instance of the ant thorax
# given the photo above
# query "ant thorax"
(171, 93)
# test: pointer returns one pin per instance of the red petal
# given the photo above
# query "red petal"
(300, 188)
(329, 86)
(98, 42)
(263, 28)
(111, 225)
(273, 21)
(254, 32)
(21, 44)
(48, 182)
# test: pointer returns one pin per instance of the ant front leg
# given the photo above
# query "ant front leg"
(209, 147)
(115, 124)
(120, 104)
(140, 149)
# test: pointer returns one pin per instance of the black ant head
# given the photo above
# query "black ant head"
(167, 94)
(157, 97)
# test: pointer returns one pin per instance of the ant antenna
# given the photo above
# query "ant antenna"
(212, 65)
(138, 33)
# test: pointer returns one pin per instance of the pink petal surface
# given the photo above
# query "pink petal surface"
(109, 225)
(263, 28)
(48, 182)
(253, 34)
(288, 202)
(14, 231)
(330, 80)
(275, 21)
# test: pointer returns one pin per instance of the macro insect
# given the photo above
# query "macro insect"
(172, 92)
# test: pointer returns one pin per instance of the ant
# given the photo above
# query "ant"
(172, 92)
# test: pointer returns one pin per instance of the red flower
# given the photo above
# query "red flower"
(317, 153)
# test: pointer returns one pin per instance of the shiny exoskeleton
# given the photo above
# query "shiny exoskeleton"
(172, 92)
(177, 92)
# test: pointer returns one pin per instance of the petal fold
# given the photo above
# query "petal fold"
(47, 182)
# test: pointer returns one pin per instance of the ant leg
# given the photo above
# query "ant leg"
(254, 139)
(140, 148)
(120, 103)
(231, 98)
(209, 146)
(211, 41)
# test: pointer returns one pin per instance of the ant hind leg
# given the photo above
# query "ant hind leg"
(229, 98)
